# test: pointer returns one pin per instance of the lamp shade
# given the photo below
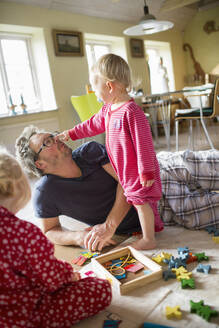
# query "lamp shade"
(148, 25)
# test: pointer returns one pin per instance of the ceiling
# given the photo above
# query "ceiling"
(180, 12)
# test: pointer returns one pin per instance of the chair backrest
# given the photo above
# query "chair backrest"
(86, 105)
(216, 99)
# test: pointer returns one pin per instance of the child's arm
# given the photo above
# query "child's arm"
(44, 268)
(91, 127)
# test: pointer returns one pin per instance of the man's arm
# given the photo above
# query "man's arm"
(59, 235)
(101, 234)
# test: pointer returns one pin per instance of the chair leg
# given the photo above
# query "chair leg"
(206, 133)
(191, 139)
(177, 134)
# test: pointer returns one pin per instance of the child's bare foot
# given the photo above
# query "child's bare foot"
(143, 244)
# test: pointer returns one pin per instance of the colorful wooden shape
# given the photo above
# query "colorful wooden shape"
(216, 239)
(211, 229)
(203, 268)
(191, 258)
(188, 283)
(111, 323)
(167, 274)
(201, 257)
(173, 312)
(202, 310)
(153, 325)
(179, 271)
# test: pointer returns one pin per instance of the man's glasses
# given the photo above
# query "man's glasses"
(48, 142)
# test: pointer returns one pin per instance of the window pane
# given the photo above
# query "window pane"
(89, 56)
(19, 73)
(4, 106)
(100, 50)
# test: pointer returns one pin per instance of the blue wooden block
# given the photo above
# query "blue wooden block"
(111, 323)
(183, 250)
(167, 274)
(203, 268)
(211, 229)
(154, 325)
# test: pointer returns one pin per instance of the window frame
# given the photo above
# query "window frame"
(27, 39)
(93, 43)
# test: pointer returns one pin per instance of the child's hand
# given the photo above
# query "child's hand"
(64, 136)
(147, 183)
(76, 276)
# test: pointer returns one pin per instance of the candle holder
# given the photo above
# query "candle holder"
(12, 109)
(23, 107)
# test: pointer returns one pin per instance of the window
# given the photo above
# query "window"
(95, 50)
(18, 82)
(160, 66)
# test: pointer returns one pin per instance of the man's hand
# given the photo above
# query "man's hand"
(98, 237)
(147, 183)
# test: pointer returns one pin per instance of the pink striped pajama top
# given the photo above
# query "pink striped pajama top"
(130, 149)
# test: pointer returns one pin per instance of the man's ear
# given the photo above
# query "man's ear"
(41, 165)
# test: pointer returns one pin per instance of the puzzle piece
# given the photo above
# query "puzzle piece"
(211, 229)
(154, 325)
(183, 250)
(216, 233)
(191, 258)
(111, 323)
(176, 263)
(203, 268)
(173, 312)
(216, 239)
(135, 267)
(201, 257)
(184, 276)
(202, 310)
(188, 283)
(158, 259)
(120, 276)
(167, 274)
(179, 271)
(147, 272)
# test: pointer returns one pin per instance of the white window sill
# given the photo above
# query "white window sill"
(2, 116)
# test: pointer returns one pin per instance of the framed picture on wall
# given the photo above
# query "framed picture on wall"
(137, 48)
(68, 43)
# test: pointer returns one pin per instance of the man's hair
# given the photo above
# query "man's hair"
(24, 153)
(113, 68)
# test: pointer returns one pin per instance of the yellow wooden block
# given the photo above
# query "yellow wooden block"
(166, 256)
(216, 239)
(158, 259)
(187, 275)
(179, 271)
(173, 312)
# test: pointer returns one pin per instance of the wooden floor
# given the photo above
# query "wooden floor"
(200, 141)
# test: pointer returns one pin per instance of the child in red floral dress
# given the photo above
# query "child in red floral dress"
(36, 289)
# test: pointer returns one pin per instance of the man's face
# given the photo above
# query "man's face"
(50, 153)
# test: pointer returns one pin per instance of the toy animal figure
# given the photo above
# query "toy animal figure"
(199, 72)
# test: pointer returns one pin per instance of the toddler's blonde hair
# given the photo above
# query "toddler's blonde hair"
(13, 182)
(113, 68)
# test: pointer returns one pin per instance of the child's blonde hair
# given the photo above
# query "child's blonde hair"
(113, 68)
(13, 182)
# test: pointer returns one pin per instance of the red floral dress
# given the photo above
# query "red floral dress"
(36, 289)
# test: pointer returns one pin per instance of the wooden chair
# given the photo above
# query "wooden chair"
(86, 105)
(198, 114)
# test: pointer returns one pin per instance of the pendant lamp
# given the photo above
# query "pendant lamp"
(148, 25)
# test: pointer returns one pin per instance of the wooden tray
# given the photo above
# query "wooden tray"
(133, 280)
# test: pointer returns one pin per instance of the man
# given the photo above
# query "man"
(80, 184)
